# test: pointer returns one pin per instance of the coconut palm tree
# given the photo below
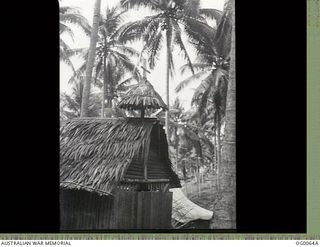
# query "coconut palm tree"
(113, 57)
(226, 204)
(228, 174)
(67, 16)
(185, 135)
(164, 26)
(212, 63)
(90, 62)
(70, 103)
(112, 61)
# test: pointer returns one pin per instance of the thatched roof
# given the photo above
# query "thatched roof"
(142, 96)
(95, 153)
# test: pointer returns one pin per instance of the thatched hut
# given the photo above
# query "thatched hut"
(115, 174)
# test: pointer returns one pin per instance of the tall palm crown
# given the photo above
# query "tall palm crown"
(67, 16)
(212, 63)
(185, 135)
(164, 26)
(113, 58)
(161, 27)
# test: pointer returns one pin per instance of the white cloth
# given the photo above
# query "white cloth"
(184, 210)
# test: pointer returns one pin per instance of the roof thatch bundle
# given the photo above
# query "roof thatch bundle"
(142, 96)
(95, 153)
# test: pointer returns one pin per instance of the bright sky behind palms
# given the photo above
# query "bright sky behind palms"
(157, 76)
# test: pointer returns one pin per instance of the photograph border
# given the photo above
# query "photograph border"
(313, 160)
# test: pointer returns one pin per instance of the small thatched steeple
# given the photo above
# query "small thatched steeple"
(142, 96)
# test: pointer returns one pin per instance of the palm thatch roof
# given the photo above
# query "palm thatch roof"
(95, 153)
(142, 96)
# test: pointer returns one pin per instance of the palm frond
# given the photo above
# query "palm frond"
(178, 41)
(153, 29)
(132, 31)
(203, 102)
(211, 13)
(123, 59)
(113, 18)
(74, 17)
(126, 49)
(151, 4)
(64, 54)
(187, 81)
(65, 29)
(201, 35)
(78, 75)
(123, 86)
(153, 49)
(196, 66)
(203, 87)
(222, 38)
(191, 7)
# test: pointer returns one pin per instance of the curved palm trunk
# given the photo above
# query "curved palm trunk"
(90, 62)
(227, 203)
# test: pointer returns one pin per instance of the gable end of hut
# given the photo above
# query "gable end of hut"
(98, 155)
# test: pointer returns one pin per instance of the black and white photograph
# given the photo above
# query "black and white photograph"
(147, 115)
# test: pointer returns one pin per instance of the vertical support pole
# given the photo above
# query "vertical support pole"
(145, 158)
(198, 176)
(159, 140)
(145, 67)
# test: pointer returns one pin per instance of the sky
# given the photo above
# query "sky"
(157, 76)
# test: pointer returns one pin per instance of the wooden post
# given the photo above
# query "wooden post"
(145, 158)
(159, 147)
(198, 177)
(145, 68)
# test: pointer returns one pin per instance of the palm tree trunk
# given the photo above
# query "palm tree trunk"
(177, 151)
(198, 176)
(218, 151)
(103, 98)
(90, 62)
(215, 147)
(167, 85)
(109, 87)
(104, 78)
(227, 203)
